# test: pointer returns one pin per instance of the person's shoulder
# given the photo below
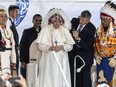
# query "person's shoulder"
(91, 25)
(46, 28)
(75, 19)
(64, 29)
(28, 29)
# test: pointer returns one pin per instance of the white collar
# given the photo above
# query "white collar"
(11, 19)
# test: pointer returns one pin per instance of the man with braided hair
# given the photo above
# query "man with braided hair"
(105, 45)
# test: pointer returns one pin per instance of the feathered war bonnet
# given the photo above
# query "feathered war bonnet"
(108, 12)
(56, 14)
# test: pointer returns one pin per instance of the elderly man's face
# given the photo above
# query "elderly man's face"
(56, 24)
(3, 19)
(105, 22)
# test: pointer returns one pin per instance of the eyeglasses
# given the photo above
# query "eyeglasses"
(38, 20)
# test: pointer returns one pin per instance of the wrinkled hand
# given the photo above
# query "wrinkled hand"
(5, 76)
(22, 81)
(23, 64)
(56, 48)
(75, 35)
(98, 60)
(59, 48)
(13, 66)
(52, 48)
(112, 62)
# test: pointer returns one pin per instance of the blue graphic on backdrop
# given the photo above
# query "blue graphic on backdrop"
(23, 8)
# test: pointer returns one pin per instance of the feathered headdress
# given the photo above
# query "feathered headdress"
(56, 13)
(109, 11)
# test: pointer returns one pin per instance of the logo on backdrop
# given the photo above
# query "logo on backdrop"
(23, 8)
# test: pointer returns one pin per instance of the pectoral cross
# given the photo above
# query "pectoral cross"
(56, 42)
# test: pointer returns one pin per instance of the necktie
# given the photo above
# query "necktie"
(80, 28)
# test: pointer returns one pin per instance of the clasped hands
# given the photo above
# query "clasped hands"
(56, 48)
(112, 61)
(75, 35)
(23, 65)
(13, 66)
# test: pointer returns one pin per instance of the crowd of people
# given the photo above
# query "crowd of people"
(65, 49)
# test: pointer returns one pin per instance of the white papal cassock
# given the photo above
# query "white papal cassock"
(49, 72)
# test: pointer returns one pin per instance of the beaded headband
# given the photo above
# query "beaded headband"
(109, 11)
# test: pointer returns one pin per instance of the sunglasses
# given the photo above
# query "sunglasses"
(38, 20)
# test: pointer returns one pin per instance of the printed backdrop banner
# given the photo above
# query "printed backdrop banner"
(73, 8)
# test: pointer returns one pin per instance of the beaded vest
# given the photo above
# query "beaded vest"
(105, 43)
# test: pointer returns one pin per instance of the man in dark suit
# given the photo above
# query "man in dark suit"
(29, 35)
(83, 32)
(13, 13)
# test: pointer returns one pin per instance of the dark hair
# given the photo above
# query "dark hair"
(12, 7)
(86, 14)
(36, 16)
